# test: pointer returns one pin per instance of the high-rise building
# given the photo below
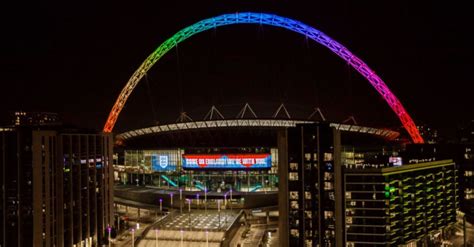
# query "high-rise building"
(466, 181)
(309, 185)
(396, 206)
(332, 198)
(463, 155)
(21, 118)
(429, 134)
(57, 187)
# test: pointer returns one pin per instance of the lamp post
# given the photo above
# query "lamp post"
(189, 212)
(205, 199)
(133, 237)
(156, 237)
(230, 199)
(197, 200)
(171, 199)
(219, 211)
(161, 206)
(181, 238)
(225, 208)
(109, 229)
(207, 238)
(181, 200)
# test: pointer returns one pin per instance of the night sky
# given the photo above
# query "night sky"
(75, 58)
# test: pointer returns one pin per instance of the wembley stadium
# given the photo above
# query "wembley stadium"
(205, 178)
(216, 157)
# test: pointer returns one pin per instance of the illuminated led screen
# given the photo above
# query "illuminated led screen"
(162, 162)
(227, 161)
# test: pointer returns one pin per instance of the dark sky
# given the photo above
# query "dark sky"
(75, 58)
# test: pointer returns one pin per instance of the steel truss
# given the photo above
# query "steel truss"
(249, 123)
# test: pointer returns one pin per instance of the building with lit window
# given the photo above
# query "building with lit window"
(21, 118)
(467, 181)
(402, 205)
(57, 187)
(463, 155)
(310, 213)
(266, 164)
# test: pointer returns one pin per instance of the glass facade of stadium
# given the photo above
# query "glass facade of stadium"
(167, 169)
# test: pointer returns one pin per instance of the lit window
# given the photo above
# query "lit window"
(293, 176)
(295, 233)
(328, 157)
(349, 220)
(328, 214)
(294, 195)
(328, 176)
(294, 166)
(307, 195)
(328, 186)
(348, 195)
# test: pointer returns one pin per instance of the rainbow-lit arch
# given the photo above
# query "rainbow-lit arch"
(272, 20)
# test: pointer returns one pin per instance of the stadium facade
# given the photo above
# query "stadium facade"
(302, 168)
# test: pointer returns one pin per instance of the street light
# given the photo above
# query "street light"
(182, 238)
(109, 229)
(133, 237)
(205, 199)
(156, 237)
(181, 200)
(171, 199)
(197, 199)
(207, 238)
(161, 206)
(219, 211)
(225, 208)
(230, 198)
(189, 211)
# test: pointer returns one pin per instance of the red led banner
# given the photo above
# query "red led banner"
(227, 161)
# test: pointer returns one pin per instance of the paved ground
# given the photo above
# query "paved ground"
(199, 219)
(182, 238)
(196, 229)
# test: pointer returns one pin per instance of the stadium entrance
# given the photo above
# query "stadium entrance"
(203, 169)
